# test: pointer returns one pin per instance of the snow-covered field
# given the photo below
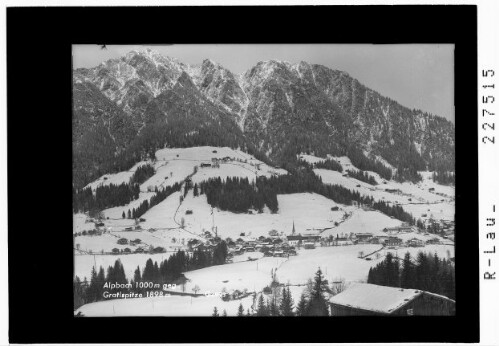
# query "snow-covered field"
(339, 262)
(173, 305)
(307, 210)
(117, 212)
(117, 178)
(363, 221)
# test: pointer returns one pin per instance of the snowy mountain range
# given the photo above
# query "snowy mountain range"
(128, 107)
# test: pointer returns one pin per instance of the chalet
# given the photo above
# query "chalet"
(205, 165)
(292, 252)
(392, 190)
(393, 241)
(127, 250)
(151, 230)
(150, 188)
(249, 249)
(115, 250)
(278, 253)
(139, 250)
(415, 242)
(311, 237)
(343, 241)
(294, 239)
(433, 241)
(128, 229)
(363, 237)
(188, 212)
(372, 300)
(142, 219)
(399, 229)
(309, 245)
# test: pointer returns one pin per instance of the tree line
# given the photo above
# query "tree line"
(106, 196)
(330, 164)
(142, 173)
(444, 177)
(239, 195)
(362, 176)
(111, 195)
(160, 196)
(168, 271)
(364, 163)
(426, 272)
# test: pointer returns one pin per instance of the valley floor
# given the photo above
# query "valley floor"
(174, 221)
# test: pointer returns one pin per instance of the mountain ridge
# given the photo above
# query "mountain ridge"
(274, 108)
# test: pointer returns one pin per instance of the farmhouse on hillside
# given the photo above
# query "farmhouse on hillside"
(393, 241)
(415, 242)
(363, 238)
(400, 229)
(368, 299)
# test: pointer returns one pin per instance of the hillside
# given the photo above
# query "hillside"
(181, 218)
(274, 111)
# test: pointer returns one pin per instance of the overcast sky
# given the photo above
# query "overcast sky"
(416, 75)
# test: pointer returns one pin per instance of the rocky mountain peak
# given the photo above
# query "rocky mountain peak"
(282, 108)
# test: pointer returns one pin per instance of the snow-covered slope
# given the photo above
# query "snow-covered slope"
(164, 306)
(174, 221)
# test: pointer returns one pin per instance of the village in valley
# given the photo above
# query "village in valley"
(266, 187)
(260, 250)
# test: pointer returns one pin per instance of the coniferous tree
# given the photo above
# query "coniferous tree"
(240, 310)
(286, 306)
(101, 278)
(272, 307)
(123, 215)
(93, 288)
(224, 314)
(422, 272)
(262, 307)
(318, 305)
(149, 272)
(301, 308)
(215, 312)
(407, 279)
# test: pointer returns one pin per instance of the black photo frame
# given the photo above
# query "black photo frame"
(39, 43)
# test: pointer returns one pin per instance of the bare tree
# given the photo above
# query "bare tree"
(338, 285)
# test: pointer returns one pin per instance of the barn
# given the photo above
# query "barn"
(367, 299)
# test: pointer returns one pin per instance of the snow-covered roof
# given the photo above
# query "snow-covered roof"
(376, 298)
